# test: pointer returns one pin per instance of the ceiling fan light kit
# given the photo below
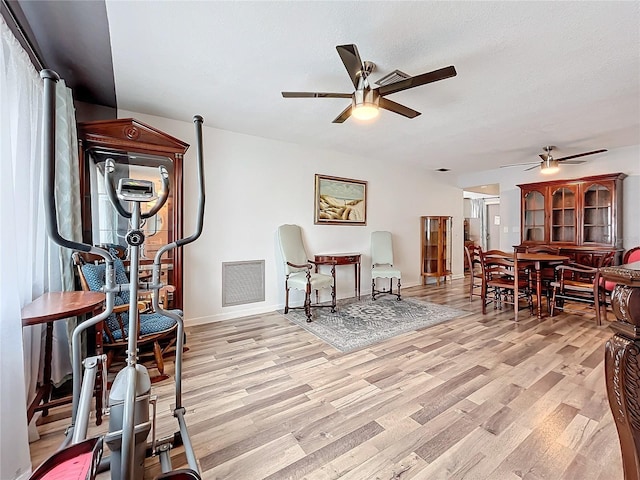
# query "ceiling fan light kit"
(549, 166)
(365, 105)
(366, 101)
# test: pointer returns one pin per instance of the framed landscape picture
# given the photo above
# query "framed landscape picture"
(340, 201)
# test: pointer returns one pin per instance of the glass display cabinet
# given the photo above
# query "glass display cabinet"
(137, 150)
(580, 216)
(435, 233)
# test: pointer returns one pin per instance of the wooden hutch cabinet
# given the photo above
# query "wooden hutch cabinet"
(137, 150)
(579, 216)
(435, 234)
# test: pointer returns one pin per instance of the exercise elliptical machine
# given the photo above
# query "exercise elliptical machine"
(130, 395)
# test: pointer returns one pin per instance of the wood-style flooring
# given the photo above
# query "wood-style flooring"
(478, 397)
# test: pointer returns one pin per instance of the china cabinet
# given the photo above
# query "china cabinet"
(435, 233)
(579, 216)
(138, 151)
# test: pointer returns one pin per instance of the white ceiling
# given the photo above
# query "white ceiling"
(529, 74)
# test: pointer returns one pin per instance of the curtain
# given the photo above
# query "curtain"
(30, 264)
(483, 223)
(477, 204)
(21, 271)
(67, 193)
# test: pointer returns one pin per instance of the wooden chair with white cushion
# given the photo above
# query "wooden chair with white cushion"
(382, 263)
(298, 271)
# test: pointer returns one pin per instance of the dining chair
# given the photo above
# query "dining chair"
(154, 329)
(547, 273)
(299, 274)
(382, 264)
(472, 253)
(576, 283)
(506, 280)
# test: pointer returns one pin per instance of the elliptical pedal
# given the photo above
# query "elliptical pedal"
(79, 461)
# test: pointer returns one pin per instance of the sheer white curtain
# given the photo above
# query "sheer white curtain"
(29, 263)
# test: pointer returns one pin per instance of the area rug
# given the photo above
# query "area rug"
(357, 324)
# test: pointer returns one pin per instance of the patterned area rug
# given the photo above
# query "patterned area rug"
(357, 324)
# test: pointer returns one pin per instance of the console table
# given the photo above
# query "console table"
(46, 309)
(343, 259)
(622, 363)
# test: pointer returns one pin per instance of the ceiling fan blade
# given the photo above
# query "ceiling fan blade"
(519, 164)
(315, 95)
(352, 62)
(397, 108)
(418, 80)
(531, 168)
(346, 113)
(581, 155)
(572, 162)
(544, 156)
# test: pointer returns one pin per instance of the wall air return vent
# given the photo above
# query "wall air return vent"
(242, 282)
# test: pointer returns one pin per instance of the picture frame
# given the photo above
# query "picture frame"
(340, 201)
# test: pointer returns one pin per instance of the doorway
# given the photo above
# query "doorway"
(482, 216)
(492, 220)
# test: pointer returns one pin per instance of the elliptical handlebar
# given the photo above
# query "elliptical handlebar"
(49, 155)
(50, 79)
(163, 196)
(197, 120)
(109, 168)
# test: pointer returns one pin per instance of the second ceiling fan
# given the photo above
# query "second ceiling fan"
(365, 101)
(550, 164)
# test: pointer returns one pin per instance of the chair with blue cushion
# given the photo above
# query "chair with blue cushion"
(154, 329)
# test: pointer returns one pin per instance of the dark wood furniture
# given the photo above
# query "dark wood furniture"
(48, 308)
(505, 279)
(578, 283)
(539, 261)
(622, 363)
(472, 259)
(343, 259)
(435, 247)
(153, 329)
(581, 217)
(138, 150)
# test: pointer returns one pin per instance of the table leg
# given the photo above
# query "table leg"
(357, 280)
(539, 288)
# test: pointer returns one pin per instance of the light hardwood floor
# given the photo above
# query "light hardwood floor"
(477, 397)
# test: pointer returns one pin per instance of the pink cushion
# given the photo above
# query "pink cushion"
(634, 257)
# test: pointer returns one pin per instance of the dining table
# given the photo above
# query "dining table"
(539, 260)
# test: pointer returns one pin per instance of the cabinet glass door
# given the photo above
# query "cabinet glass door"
(563, 215)
(533, 227)
(432, 227)
(446, 229)
(597, 215)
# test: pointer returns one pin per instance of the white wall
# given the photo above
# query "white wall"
(625, 160)
(253, 185)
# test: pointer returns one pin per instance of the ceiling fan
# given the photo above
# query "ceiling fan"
(365, 101)
(551, 165)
